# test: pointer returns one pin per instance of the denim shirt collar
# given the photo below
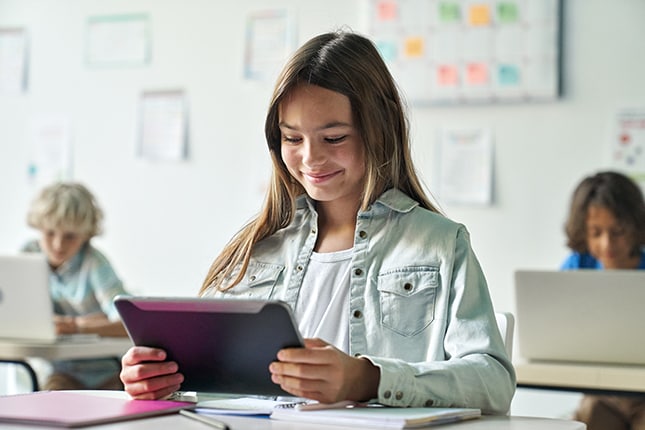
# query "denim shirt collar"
(392, 199)
(72, 265)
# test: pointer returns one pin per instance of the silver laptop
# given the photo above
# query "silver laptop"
(26, 308)
(595, 316)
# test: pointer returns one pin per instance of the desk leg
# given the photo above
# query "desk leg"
(28, 368)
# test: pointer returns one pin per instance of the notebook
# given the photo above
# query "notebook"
(74, 409)
(378, 416)
(594, 316)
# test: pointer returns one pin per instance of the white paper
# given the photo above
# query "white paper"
(628, 142)
(269, 41)
(466, 166)
(163, 126)
(51, 155)
(13, 61)
(118, 40)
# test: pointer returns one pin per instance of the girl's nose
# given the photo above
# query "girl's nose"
(312, 154)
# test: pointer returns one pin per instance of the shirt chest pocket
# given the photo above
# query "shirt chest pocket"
(407, 298)
(258, 282)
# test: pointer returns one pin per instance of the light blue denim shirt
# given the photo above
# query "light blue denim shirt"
(420, 309)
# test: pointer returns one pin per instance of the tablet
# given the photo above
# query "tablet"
(222, 346)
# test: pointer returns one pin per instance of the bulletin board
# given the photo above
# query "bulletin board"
(465, 51)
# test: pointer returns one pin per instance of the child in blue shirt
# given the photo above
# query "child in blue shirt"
(606, 230)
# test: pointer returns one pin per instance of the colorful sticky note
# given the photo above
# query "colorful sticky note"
(508, 74)
(413, 47)
(476, 74)
(386, 10)
(449, 12)
(479, 14)
(447, 75)
(387, 48)
(507, 12)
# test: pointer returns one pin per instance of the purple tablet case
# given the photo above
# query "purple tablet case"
(222, 346)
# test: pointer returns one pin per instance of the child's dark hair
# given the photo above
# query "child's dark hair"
(614, 192)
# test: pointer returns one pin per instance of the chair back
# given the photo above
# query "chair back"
(506, 324)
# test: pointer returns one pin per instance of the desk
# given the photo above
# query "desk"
(246, 423)
(15, 351)
(585, 377)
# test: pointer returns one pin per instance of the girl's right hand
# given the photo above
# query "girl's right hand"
(147, 376)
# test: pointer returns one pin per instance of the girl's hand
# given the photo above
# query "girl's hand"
(324, 373)
(146, 376)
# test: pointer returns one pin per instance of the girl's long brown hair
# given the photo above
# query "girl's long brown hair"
(349, 64)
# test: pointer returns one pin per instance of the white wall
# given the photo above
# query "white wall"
(165, 222)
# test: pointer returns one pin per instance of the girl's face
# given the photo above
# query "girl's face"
(320, 146)
(60, 245)
(608, 241)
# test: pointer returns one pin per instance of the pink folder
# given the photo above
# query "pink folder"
(75, 409)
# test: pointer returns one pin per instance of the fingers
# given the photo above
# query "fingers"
(316, 351)
(145, 374)
(138, 354)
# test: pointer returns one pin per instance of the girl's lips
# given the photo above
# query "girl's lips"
(319, 177)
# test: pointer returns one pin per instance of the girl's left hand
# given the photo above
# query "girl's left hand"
(322, 372)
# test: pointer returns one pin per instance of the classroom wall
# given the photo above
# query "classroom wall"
(166, 221)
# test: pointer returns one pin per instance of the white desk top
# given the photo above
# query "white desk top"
(105, 346)
(247, 423)
(581, 376)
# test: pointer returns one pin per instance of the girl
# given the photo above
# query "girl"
(387, 291)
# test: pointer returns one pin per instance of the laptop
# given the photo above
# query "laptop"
(26, 308)
(595, 316)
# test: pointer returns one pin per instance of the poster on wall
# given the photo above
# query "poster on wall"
(465, 166)
(163, 126)
(465, 51)
(628, 142)
(270, 39)
(51, 149)
(118, 40)
(13, 60)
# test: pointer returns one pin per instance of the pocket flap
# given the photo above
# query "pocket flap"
(407, 281)
(259, 274)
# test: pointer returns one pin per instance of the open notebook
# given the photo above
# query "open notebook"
(377, 417)
(74, 409)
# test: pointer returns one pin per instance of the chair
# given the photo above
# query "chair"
(506, 324)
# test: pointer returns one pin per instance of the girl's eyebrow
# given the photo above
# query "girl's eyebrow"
(332, 124)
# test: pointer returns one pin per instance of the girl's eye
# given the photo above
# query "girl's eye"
(290, 139)
(335, 139)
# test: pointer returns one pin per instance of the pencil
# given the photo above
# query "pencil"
(204, 419)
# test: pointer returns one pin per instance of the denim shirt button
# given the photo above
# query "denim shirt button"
(313, 231)
(429, 403)
(358, 272)
(399, 395)
(407, 286)
(362, 234)
(299, 268)
(387, 394)
(357, 314)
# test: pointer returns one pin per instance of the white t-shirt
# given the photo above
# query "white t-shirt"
(322, 308)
